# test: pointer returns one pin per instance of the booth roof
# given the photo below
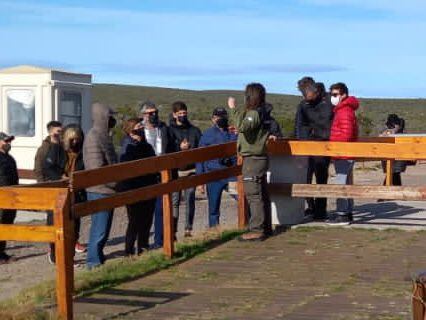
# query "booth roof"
(32, 69)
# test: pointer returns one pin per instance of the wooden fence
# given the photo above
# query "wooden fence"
(58, 196)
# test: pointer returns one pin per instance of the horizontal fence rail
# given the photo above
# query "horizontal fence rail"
(131, 169)
(153, 191)
(349, 191)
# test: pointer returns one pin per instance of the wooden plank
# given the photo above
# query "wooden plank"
(64, 252)
(168, 225)
(348, 149)
(242, 201)
(28, 198)
(349, 191)
(27, 233)
(129, 197)
(131, 169)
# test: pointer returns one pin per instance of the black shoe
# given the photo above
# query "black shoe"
(320, 218)
(309, 212)
(5, 258)
(340, 220)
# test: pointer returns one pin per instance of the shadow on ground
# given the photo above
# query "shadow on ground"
(388, 213)
(123, 302)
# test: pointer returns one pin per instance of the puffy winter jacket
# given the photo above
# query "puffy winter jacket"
(345, 127)
(313, 120)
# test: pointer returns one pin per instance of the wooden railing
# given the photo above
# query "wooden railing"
(57, 196)
(164, 165)
(61, 233)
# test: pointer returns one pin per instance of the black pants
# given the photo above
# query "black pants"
(6, 217)
(318, 166)
(141, 215)
(255, 188)
(77, 224)
(396, 179)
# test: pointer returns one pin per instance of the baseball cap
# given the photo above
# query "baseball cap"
(220, 112)
(6, 137)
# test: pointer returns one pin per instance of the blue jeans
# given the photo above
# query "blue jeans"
(214, 195)
(344, 169)
(99, 232)
(190, 207)
(158, 223)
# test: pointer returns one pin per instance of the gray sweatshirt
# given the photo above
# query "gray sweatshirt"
(98, 149)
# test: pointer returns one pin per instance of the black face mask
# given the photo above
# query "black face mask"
(222, 123)
(183, 119)
(153, 118)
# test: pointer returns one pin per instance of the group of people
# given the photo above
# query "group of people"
(321, 116)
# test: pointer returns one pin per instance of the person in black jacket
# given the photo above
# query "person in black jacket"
(395, 125)
(315, 115)
(61, 161)
(140, 214)
(185, 137)
(158, 135)
(8, 177)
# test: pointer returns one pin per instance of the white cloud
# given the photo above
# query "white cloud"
(406, 7)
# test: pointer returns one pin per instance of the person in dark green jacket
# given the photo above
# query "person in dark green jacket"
(253, 134)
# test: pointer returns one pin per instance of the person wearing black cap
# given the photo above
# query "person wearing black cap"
(8, 177)
(218, 133)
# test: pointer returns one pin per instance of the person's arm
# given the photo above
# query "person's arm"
(199, 166)
(51, 165)
(304, 128)
(38, 164)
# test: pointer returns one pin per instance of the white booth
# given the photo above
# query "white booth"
(30, 97)
(287, 211)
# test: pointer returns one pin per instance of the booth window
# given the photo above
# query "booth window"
(70, 108)
(21, 112)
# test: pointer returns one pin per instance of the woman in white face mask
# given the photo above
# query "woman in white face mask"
(344, 129)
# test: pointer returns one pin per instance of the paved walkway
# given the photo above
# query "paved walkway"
(305, 273)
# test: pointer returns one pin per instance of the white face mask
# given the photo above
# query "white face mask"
(335, 100)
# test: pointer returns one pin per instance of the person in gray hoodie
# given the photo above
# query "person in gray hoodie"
(98, 151)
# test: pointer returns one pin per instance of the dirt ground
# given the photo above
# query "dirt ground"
(32, 266)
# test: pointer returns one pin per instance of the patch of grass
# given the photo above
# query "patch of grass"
(304, 229)
(30, 303)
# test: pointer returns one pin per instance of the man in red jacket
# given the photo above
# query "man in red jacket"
(344, 129)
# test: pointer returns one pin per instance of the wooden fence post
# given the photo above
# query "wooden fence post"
(168, 225)
(242, 202)
(64, 254)
(389, 169)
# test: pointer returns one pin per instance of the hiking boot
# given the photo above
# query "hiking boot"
(340, 220)
(80, 248)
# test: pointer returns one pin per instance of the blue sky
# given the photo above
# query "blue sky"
(376, 47)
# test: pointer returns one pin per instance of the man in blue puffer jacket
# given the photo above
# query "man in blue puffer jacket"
(219, 133)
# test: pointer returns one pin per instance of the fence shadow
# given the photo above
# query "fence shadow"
(394, 213)
(126, 301)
